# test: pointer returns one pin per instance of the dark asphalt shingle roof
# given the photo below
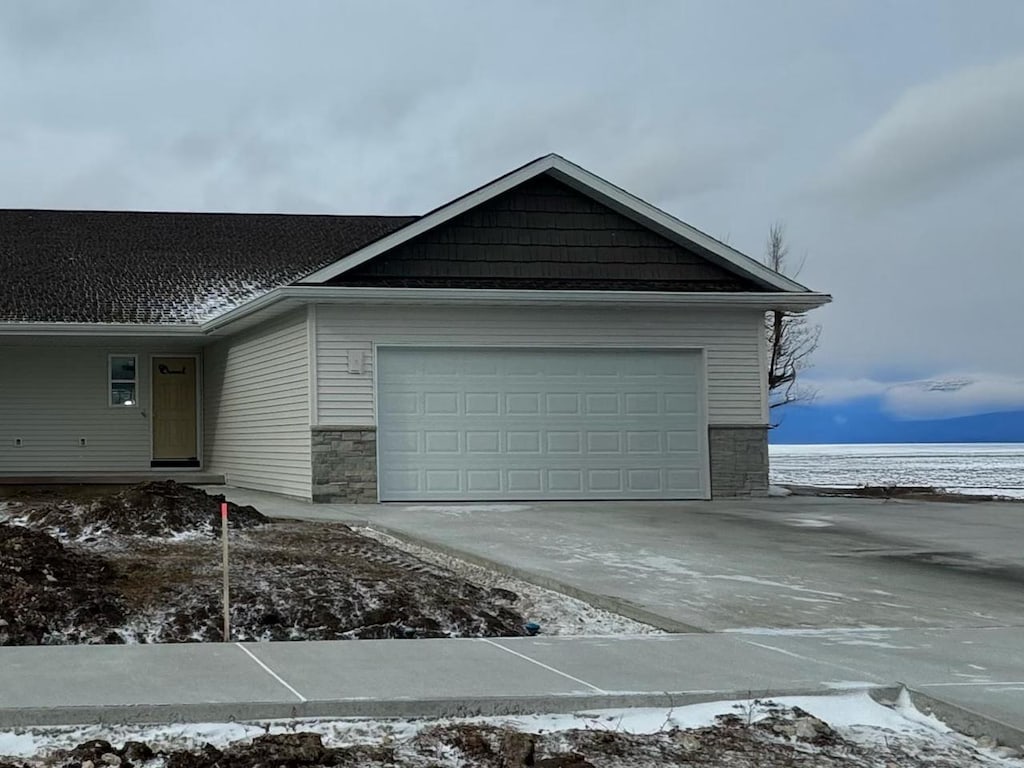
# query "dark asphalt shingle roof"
(132, 267)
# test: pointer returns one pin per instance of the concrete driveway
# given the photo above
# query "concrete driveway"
(773, 563)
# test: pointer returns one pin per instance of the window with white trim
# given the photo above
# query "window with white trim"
(123, 381)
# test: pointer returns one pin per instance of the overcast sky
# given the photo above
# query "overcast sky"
(888, 136)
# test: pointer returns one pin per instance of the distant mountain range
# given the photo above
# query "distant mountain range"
(864, 420)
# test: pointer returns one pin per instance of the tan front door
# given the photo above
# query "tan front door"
(174, 409)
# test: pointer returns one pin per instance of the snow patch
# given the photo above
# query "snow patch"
(461, 509)
(854, 716)
(808, 522)
(557, 614)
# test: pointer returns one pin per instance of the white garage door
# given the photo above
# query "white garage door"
(481, 424)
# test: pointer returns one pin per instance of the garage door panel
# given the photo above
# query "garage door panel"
(443, 481)
(481, 404)
(644, 479)
(565, 480)
(483, 481)
(522, 442)
(522, 404)
(531, 424)
(604, 442)
(403, 402)
(466, 443)
(679, 441)
(562, 403)
(602, 404)
(399, 442)
(441, 442)
(642, 403)
(608, 480)
(483, 441)
(676, 403)
(681, 479)
(524, 480)
(564, 442)
(400, 481)
(440, 403)
(644, 442)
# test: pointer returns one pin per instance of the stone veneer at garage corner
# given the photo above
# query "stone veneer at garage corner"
(345, 464)
(739, 460)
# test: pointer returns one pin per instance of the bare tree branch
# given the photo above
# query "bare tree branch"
(791, 339)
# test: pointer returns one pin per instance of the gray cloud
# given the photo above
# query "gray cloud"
(936, 135)
(36, 29)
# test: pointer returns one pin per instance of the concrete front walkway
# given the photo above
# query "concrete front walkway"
(395, 678)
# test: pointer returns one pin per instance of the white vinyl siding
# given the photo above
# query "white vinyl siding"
(53, 396)
(256, 407)
(730, 339)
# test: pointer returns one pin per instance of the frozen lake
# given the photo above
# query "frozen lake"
(960, 467)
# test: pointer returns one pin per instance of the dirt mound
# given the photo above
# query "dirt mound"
(305, 581)
(51, 595)
(286, 749)
(148, 509)
(110, 568)
(289, 581)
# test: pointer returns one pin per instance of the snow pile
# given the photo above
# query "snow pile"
(811, 732)
(305, 581)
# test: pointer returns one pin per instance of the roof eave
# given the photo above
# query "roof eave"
(177, 330)
(284, 299)
(795, 302)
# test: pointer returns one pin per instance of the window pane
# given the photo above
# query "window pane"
(122, 368)
(122, 394)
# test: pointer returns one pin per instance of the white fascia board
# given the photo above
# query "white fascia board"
(356, 295)
(101, 329)
(585, 182)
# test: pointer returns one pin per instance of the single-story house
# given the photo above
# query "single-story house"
(545, 336)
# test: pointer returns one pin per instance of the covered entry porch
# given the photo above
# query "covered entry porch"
(90, 409)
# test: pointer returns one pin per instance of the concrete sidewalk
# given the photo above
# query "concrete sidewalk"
(393, 678)
(390, 678)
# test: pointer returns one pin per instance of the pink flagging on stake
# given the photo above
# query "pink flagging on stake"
(224, 565)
